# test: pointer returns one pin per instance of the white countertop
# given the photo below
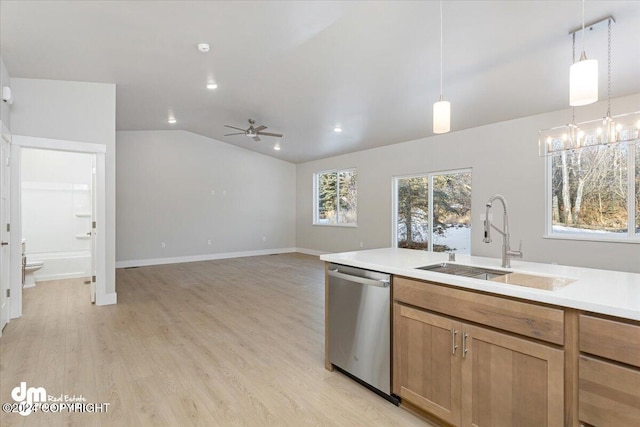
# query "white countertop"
(614, 293)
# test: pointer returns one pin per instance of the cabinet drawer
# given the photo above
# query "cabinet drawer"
(608, 394)
(610, 339)
(543, 323)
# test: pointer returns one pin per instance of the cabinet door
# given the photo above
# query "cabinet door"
(609, 393)
(426, 370)
(510, 381)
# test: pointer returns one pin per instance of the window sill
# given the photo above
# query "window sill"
(590, 238)
(335, 225)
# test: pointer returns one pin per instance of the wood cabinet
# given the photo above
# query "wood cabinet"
(469, 375)
(609, 374)
(427, 365)
(509, 381)
(526, 363)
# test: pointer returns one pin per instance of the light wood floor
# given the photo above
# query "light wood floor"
(216, 343)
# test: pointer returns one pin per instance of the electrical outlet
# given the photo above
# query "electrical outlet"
(224, 193)
(209, 242)
(264, 238)
(163, 245)
(362, 244)
(213, 192)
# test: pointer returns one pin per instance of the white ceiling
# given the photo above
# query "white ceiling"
(301, 68)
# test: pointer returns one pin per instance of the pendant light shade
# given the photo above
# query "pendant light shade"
(442, 108)
(583, 82)
(441, 116)
(583, 77)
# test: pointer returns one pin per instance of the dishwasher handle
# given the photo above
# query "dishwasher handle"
(362, 280)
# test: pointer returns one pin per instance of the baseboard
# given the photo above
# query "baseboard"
(60, 276)
(204, 257)
(107, 299)
(310, 251)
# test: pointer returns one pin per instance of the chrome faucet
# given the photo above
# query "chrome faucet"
(507, 253)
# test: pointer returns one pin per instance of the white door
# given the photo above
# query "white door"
(4, 232)
(92, 286)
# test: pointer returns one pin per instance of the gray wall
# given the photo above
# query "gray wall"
(5, 80)
(165, 181)
(504, 158)
(73, 111)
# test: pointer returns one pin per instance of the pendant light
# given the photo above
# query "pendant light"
(620, 129)
(583, 77)
(442, 108)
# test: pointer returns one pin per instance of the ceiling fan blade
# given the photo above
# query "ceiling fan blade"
(277, 135)
(233, 127)
(259, 128)
(255, 138)
(239, 133)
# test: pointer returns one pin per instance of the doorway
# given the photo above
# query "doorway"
(96, 209)
(58, 203)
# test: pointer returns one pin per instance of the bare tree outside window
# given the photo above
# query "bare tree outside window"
(590, 191)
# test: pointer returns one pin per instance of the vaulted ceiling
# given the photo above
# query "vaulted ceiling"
(303, 67)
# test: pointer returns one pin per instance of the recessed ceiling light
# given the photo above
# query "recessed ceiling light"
(337, 129)
(276, 147)
(203, 47)
(212, 85)
(172, 120)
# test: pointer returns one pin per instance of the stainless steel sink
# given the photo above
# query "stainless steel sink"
(464, 270)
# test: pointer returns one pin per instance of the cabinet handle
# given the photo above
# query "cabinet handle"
(464, 345)
(454, 347)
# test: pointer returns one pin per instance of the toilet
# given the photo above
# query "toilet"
(29, 269)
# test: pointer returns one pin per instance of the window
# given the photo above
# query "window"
(594, 193)
(433, 212)
(335, 197)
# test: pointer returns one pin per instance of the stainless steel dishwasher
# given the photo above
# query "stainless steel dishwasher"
(360, 326)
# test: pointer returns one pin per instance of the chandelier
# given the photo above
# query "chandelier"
(623, 128)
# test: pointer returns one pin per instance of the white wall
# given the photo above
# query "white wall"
(73, 111)
(56, 212)
(5, 80)
(504, 158)
(165, 181)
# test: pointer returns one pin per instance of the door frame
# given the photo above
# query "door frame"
(18, 143)
(5, 136)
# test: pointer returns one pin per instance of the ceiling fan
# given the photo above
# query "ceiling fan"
(253, 132)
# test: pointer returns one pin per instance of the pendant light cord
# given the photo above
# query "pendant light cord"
(573, 61)
(609, 67)
(441, 50)
(583, 26)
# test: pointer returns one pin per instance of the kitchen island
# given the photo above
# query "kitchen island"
(540, 345)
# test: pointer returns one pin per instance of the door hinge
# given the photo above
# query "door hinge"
(8, 293)
(8, 228)
(93, 279)
(93, 224)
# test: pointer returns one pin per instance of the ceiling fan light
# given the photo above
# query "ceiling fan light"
(441, 117)
(583, 82)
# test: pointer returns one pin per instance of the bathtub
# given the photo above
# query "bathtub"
(61, 265)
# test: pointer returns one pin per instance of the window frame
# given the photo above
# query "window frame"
(394, 199)
(631, 236)
(316, 204)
